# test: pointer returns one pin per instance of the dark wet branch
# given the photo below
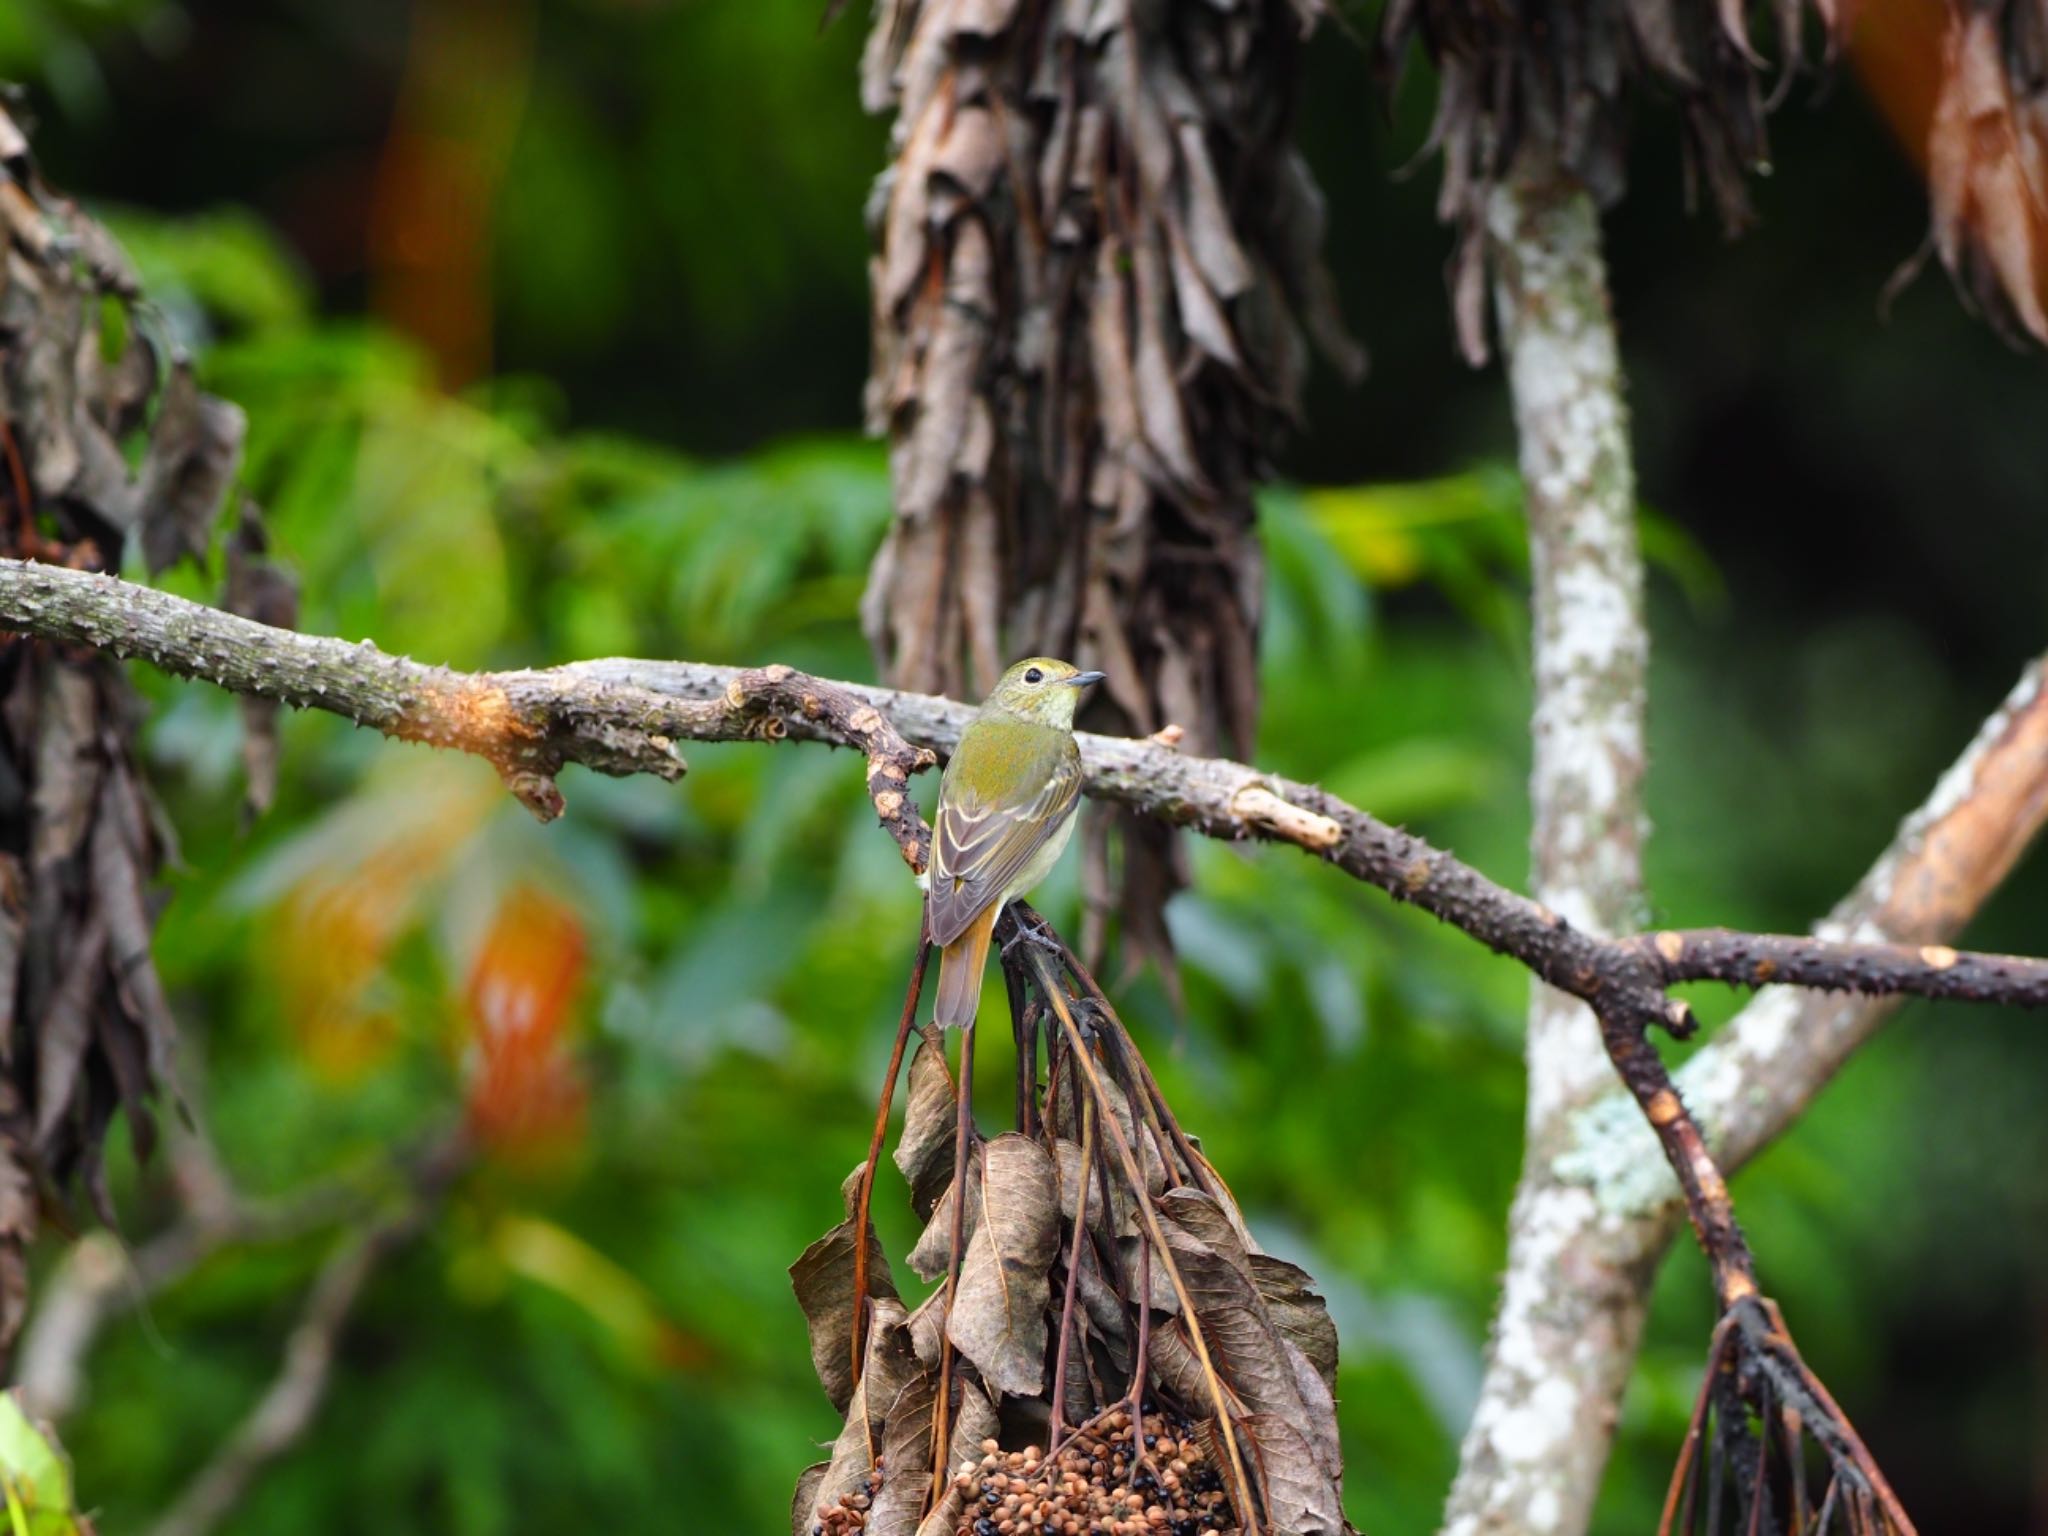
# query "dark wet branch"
(1707, 1203)
(1874, 970)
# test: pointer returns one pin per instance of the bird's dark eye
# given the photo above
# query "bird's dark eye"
(1034, 676)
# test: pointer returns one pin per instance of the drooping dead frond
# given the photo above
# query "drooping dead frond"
(1987, 162)
(1559, 81)
(1109, 1347)
(85, 1029)
(1095, 255)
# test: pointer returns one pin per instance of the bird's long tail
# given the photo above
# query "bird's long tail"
(960, 966)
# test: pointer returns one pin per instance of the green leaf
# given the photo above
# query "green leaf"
(35, 1475)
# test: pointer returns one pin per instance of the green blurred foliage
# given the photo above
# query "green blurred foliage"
(604, 1335)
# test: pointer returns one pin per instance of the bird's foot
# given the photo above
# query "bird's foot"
(1036, 932)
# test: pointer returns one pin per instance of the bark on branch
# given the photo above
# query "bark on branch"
(1604, 1208)
(625, 716)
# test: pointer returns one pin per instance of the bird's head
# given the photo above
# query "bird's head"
(1043, 690)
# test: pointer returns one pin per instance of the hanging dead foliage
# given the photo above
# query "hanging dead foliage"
(1987, 162)
(1109, 1353)
(1095, 255)
(84, 394)
(1769, 1449)
(1559, 79)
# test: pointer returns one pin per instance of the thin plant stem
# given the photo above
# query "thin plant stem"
(1059, 1372)
(963, 1141)
(1077, 1051)
(867, 1174)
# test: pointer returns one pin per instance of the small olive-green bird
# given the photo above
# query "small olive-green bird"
(1006, 810)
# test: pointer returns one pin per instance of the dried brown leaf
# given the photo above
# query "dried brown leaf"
(1176, 1368)
(973, 1420)
(823, 1279)
(1135, 1267)
(1246, 1347)
(1301, 1315)
(998, 1315)
(120, 857)
(1161, 410)
(2015, 240)
(959, 340)
(924, 1154)
(888, 1365)
(17, 1231)
(932, 1256)
(67, 774)
(1212, 241)
(927, 1328)
(906, 1460)
(1201, 315)
(803, 1504)
(13, 942)
(1654, 25)
(65, 1030)
(1299, 1496)
(194, 450)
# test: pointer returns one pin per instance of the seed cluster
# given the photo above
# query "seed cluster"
(850, 1514)
(1094, 1486)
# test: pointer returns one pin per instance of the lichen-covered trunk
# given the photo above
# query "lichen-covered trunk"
(1095, 252)
(1561, 1353)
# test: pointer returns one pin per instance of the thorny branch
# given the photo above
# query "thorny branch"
(526, 724)
(624, 716)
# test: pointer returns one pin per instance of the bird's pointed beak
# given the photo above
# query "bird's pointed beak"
(1083, 679)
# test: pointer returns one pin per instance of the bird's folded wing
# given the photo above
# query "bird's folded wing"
(979, 847)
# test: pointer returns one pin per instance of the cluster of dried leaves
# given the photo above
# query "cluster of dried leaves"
(1087, 1262)
(84, 1025)
(1987, 161)
(1557, 80)
(1095, 254)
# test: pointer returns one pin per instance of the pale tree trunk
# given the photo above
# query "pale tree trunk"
(1597, 1205)
(1559, 1356)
